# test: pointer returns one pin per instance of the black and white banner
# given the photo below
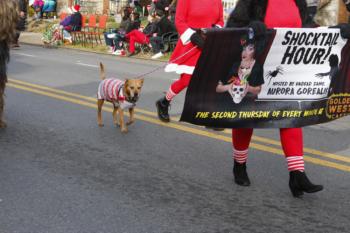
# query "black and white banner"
(290, 78)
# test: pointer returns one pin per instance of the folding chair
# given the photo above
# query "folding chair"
(169, 41)
(89, 31)
(101, 28)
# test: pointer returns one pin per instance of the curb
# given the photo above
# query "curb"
(89, 51)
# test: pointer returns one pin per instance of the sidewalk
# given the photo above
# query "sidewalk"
(33, 38)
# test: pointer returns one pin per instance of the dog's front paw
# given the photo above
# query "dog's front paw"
(101, 125)
(130, 122)
(124, 130)
(2, 124)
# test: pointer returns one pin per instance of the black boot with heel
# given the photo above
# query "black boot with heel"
(163, 109)
(240, 174)
(299, 183)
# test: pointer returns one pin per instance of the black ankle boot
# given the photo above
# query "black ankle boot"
(299, 183)
(240, 174)
(163, 109)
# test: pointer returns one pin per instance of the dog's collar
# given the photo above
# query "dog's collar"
(120, 96)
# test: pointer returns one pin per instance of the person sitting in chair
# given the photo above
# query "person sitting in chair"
(136, 36)
(164, 26)
(72, 23)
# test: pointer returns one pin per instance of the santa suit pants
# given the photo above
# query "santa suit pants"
(135, 36)
(291, 140)
(177, 86)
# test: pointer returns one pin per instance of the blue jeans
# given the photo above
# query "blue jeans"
(109, 42)
(66, 34)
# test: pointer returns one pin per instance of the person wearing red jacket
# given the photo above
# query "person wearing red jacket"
(191, 17)
(272, 13)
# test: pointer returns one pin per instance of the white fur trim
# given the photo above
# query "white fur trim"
(218, 26)
(185, 37)
(179, 69)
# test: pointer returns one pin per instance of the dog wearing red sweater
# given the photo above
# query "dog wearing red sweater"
(122, 94)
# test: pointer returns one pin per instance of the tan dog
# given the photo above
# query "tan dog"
(122, 94)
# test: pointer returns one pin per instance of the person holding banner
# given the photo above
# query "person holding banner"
(272, 13)
(191, 17)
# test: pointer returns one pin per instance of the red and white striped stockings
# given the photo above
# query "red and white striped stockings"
(291, 140)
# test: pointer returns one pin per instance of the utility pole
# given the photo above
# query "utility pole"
(105, 9)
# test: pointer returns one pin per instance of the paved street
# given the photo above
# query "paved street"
(61, 173)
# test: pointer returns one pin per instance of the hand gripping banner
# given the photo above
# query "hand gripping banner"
(292, 77)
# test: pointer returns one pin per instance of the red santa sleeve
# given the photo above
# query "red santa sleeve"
(181, 21)
(220, 22)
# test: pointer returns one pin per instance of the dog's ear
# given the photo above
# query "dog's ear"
(142, 81)
(126, 83)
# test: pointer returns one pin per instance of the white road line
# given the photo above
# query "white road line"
(84, 64)
(25, 54)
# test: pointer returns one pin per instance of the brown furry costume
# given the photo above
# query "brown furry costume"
(8, 21)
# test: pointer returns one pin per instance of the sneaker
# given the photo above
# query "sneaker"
(157, 55)
(111, 36)
(117, 52)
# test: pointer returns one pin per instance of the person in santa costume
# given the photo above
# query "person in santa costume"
(191, 17)
(272, 13)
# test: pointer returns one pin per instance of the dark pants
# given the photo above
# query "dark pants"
(118, 41)
(156, 43)
(109, 41)
(18, 33)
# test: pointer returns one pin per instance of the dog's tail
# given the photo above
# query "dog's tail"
(102, 71)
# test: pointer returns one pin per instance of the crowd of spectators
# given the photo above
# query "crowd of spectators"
(43, 6)
(130, 34)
